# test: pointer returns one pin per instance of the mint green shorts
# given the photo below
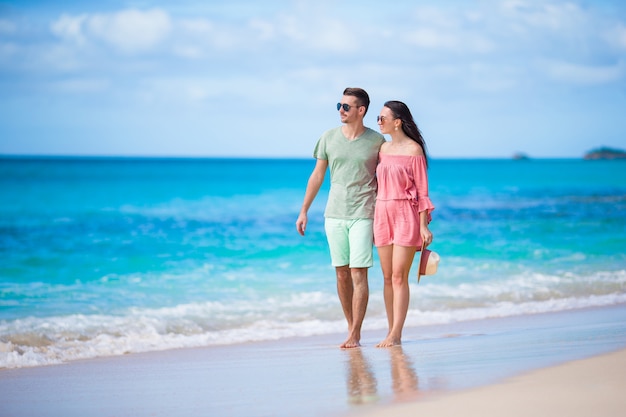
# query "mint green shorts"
(351, 242)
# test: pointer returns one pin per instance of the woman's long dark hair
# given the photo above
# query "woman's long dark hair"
(409, 127)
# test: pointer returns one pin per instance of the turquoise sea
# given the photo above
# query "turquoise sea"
(108, 256)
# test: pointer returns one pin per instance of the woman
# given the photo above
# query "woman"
(402, 210)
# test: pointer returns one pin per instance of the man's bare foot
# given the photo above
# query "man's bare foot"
(350, 343)
(389, 342)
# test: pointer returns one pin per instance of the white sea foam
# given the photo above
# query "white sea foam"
(44, 341)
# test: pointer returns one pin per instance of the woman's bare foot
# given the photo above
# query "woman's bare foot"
(389, 342)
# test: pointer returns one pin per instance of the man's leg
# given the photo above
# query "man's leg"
(345, 290)
(353, 290)
(360, 297)
(361, 239)
(351, 242)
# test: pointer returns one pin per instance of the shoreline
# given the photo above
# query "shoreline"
(311, 376)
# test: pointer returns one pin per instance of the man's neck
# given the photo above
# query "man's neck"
(353, 130)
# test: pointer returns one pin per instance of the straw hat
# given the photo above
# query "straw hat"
(429, 261)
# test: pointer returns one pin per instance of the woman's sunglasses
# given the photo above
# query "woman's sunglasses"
(382, 119)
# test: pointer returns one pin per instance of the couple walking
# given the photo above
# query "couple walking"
(378, 193)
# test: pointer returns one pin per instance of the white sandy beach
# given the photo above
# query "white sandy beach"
(571, 364)
(592, 387)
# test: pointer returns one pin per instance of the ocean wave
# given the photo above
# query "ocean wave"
(520, 287)
(35, 341)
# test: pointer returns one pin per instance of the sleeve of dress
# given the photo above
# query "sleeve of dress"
(421, 184)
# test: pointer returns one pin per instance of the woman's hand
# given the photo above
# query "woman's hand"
(427, 236)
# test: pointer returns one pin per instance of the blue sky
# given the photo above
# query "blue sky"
(261, 79)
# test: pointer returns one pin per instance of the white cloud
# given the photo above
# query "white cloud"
(202, 35)
(182, 90)
(447, 19)
(432, 38)
(265, 29)
(127, 30)
(81, 86)
(617, 36)
(8, 49)
(536, 15)
(61, 58)
(131, 30)
(69, 28)
(452, 30)
(7, 27)
(197, 27)
(584, 74)
(332, 36)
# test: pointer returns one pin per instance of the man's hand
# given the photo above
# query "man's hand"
(301, 223)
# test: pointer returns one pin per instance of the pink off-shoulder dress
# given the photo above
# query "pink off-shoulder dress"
(402, 195)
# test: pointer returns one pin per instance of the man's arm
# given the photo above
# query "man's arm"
(312, 188)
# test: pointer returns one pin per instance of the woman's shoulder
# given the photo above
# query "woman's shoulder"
(410, 149)
(415, 149)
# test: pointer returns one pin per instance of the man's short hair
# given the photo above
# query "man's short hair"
(361, 96)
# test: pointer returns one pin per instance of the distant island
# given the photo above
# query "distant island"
(605, 153)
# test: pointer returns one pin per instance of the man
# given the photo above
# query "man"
(350, 152)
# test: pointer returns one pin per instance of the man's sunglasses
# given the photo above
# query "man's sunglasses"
(346, 107)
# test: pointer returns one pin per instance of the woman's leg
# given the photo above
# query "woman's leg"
(385, 255)
(402, 258)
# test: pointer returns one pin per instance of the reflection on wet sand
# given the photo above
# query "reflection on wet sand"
(362, 383)
(361, 379)
(403, 376)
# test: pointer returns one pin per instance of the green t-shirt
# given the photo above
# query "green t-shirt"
(352, 165)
